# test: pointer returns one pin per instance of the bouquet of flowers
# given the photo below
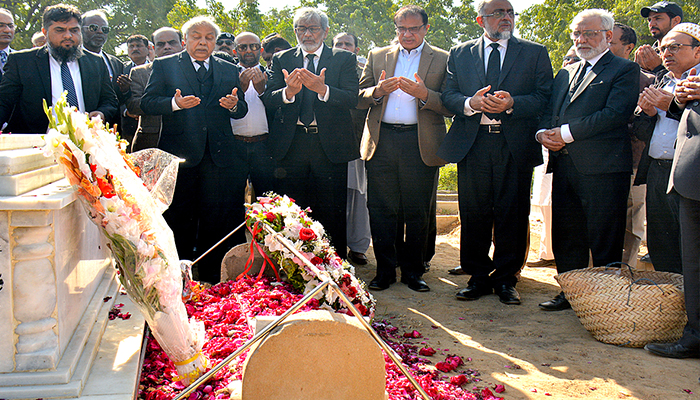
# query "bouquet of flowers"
(307, 236)
(128, 209)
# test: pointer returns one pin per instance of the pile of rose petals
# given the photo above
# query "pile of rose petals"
(227, 310)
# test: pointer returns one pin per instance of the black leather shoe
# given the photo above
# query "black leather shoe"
(473, 291)
(507, 294)
(357, 258)
(414, 283)
(456, 271)
(558, 303)
(672, 350)
(381, 283)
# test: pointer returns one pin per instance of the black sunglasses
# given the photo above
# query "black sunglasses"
(244, 47)
(228, 42)
(94, 28)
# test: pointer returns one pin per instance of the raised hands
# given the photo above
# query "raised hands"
(186, 101)
(254, 75)
(647, 58)
(385, 86)
(415, 88)
(652, 98)
(689, 88)
(230, 100)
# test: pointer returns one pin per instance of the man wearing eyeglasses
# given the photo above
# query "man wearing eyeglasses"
(680, 52)
(251, 131)
(44, 73)
(585, 129)
(95, 30)
(497, 86)
(309, 94)
(225, 42)
(401, 85)
(7, 33)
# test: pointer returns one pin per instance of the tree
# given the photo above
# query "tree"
(548, 23)
(126, 17)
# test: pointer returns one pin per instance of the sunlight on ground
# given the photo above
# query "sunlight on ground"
(127, 349)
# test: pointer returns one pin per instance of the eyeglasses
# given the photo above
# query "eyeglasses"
(252, 46)
(572, 58)
(4, 25)
(672, 48)
(588, 33)
(301, 30)
(413, 29)
(94, 28)
(498, 14)
(227, 42)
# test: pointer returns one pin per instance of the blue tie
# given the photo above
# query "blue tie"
(68, 85)
(3, 60)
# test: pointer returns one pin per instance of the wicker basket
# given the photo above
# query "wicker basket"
(627, 307)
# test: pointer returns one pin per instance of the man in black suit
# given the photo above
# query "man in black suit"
(311, 90)
(197, 95)
(590, 152)
(497, 86)
(44, 73)
(95, 29)
(685, 175)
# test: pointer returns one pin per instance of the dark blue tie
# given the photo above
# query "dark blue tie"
(306, 116)
(67, 81)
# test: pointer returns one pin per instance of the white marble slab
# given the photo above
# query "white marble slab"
(21, 160)
(53, 196)
(14, 185)
(20, 141)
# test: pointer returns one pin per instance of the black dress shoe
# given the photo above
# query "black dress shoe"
(558, 303)
(457, 271)
(672, 350)
(415, 283)
(357, 258)
(381, 283)
(507, 294)
(473, 291)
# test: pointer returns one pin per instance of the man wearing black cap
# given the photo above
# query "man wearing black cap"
(225, 43)
(662, 17)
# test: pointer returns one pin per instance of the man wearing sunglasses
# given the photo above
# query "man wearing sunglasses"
(680, 53)
(585, 129)
(309, 94)
(226, 43)
(497, 86)
(95, 32)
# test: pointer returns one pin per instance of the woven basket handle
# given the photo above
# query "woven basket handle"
(621, 264)
(629, 294)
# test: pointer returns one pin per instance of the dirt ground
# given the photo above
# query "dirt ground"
(533, 353)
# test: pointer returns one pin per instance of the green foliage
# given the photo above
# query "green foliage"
(126, 17)
(548, 23)
(448, 177)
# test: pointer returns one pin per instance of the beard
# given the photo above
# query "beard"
(588, 54)
(495, 34)
(64, 55)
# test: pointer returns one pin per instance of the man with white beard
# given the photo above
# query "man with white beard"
(585, 130)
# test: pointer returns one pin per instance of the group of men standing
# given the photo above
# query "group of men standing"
(289, 128)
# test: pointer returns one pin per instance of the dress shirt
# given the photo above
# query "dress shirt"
(401, 107)
(57, 82)
(255, 121)
(306, 63)
(102, 55)
(502, 48)
(196, 68)
(663, 140)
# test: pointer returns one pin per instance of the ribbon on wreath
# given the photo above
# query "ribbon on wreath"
(251, 256)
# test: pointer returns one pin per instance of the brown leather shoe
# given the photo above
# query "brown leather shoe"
(357, 258)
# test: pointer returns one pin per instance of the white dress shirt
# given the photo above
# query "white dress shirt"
(255, 121)
(57, 82)
(401, 107)
(324, 99)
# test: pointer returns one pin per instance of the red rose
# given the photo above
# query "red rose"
(307, 234)
(270, 216)
(316, 260)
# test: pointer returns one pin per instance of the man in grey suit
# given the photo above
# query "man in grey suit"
(685, 175)
(497, 86)
(585, 130)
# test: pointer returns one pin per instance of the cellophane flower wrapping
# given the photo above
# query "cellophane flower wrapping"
(309, 237)
(125, 196)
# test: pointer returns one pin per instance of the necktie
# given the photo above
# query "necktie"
(493, 72)
(306, 116)
(201, 72)
(580, 76)
(68, 86)
(3, 59)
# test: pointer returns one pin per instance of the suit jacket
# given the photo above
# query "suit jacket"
(431, 120)
(333, 116)
(139, 79)
(597, 114)
(526, 73)
(27, 81)
(685, 172)
(187, 132)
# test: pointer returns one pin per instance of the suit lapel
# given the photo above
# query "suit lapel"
(42, 64)
(512, 53)
(478, 57)
(392, 56)
(189, 72)
(324, 61)
(597, 68)
(426, 58)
